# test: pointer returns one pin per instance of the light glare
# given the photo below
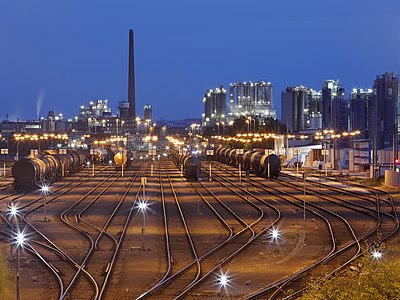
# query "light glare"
(377, 254)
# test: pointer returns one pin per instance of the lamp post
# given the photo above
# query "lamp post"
(142, 206)
(45, 189)
(13, 212)
(20, 241)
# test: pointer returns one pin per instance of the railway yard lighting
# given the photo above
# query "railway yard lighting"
(20, 240)
(223, 281)
(376, 254)
(13, 212)
(45, 189)
(142, 207)
(274, 234)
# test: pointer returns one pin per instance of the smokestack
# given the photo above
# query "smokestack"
(131, 77)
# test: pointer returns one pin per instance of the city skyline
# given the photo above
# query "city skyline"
(60, 56)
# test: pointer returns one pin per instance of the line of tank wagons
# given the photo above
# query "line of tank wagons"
(256, 161)
(190, 164)
(50, 166)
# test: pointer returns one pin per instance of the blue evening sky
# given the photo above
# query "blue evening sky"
(58, 55)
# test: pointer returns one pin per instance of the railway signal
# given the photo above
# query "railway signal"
(34, 152)
(4, 152)
(62, 151)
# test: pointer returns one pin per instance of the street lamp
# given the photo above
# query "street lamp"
(13, 212)
(19, 241)
(45, 189)
(142, 207)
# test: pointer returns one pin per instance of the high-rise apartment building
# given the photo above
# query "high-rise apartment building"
(214, 106)
(251, 99)
(301, 108)
(334, 106)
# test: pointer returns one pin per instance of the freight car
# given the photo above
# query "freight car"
(123, 157)
(254, 160)
(191, 164)
(30, 173)
(102, 155)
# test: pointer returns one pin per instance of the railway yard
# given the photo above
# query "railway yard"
(154, 234)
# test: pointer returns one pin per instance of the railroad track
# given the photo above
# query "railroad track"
(297, 281)
(48, 253)
(104, 245)
(180, 283)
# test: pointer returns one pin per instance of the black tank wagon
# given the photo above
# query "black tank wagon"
(191, 164)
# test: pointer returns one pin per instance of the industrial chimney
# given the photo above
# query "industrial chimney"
(131, 77)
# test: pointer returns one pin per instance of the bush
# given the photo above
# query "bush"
(5, 278)
(371, 280)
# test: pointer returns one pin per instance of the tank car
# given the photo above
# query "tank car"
(102, 155)
(247, 159)
(270, 165)
(123, 157)
(217, 153)
(231, 157)
(192, 167)
(191, 164)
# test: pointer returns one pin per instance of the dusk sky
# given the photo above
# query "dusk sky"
(66, 53)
